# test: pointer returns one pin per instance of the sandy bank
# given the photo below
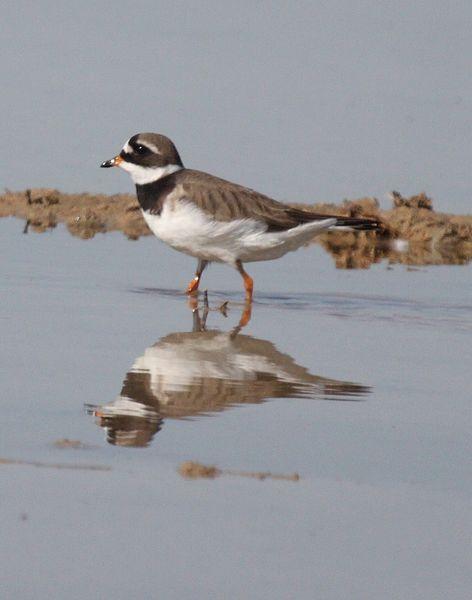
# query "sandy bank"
(414, 233)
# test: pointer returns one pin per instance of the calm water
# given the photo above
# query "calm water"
(357, 380)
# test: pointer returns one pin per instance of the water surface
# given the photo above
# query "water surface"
(356, 380)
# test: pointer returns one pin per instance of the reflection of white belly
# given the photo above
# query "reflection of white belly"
(189, 362)
(185, 227)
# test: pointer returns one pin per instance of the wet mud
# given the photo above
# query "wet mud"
(84, 215)
(67, 444)
(194, 470)
(47, 465)
(413, 234)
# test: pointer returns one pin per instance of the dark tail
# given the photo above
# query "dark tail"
(356, 223)
(359, 224)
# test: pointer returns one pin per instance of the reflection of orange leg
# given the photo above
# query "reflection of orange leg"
(246, 316)
(192, 302)
(192, 287)
(248, 282)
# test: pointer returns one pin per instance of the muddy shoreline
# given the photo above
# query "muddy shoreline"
(414, 233)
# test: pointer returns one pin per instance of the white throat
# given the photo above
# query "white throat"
(143, 175)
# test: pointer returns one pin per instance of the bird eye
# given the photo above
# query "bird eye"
(140, 149)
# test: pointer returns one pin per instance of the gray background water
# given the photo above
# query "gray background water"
(307, 101)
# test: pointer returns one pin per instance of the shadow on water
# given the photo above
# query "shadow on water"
(202, 372)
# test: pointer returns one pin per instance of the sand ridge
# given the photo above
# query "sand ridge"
(414, 233)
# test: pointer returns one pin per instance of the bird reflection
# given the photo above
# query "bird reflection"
(200, 372)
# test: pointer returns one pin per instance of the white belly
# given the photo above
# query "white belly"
(188, 229)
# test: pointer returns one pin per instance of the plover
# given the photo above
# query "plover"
(212, 219)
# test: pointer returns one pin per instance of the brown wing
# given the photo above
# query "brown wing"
(225, 201)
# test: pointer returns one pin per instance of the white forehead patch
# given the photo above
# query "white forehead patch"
(142, 175)
(127, 148)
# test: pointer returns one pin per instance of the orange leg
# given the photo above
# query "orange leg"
(192, 287)
(248, 282)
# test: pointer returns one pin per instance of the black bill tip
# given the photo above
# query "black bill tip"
(108, 163)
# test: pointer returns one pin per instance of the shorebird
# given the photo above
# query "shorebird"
(212, 219)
